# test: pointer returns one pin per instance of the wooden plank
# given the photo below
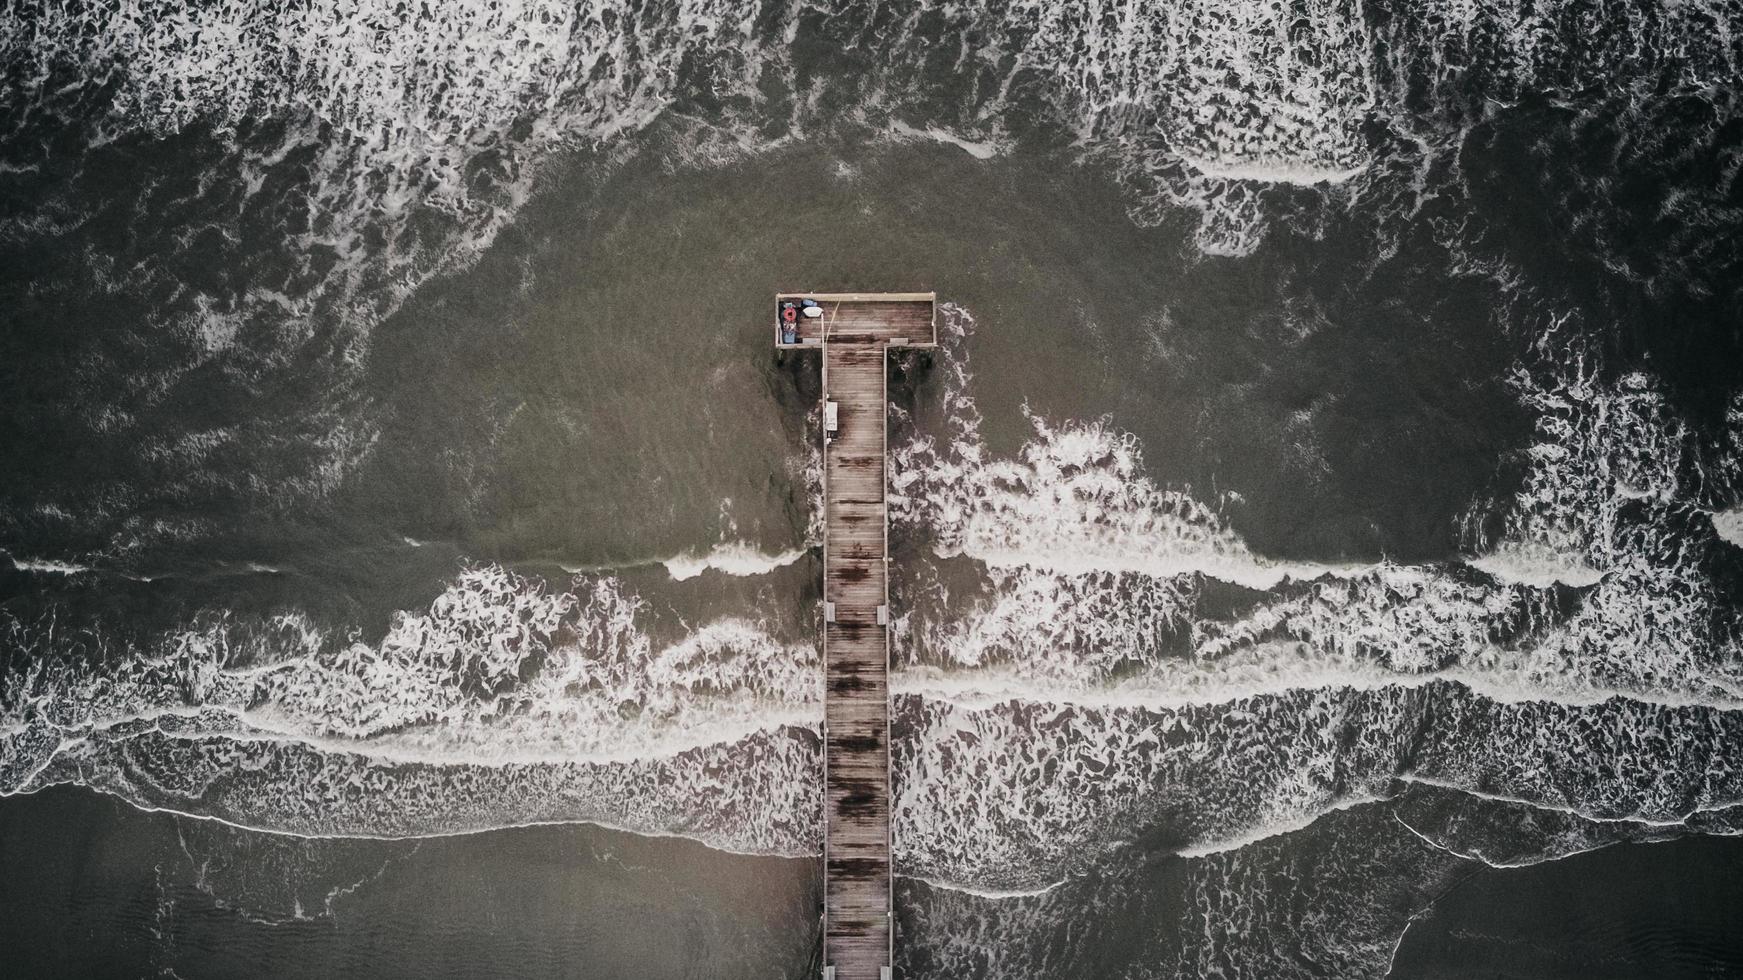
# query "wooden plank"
(905, 318)
(854, 333)
(857, 929)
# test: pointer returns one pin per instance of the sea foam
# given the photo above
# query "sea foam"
(504, 703)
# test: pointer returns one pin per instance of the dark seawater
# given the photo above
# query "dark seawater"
(1318, 540)
(97, 889)
(1660, 910)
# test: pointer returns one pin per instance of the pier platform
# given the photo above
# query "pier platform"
(854, 332)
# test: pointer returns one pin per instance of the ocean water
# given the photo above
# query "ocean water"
(1318, 538)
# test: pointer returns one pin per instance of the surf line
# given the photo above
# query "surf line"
(855, 331)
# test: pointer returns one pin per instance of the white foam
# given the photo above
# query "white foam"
(995, 894)
(1015, 796)
(1502, 832)
(1075, 697)
(1075, 501)
(49, 566)
(1599, 446)
(730, 558)
(1729, 525)
(1539, 804)
(979, 149)
(1293, 823)
(1282, 172)
(1010, 796)
(1531, 564)
(1078, 549)
(1091, 567)
(504, 703)
(1234, 85)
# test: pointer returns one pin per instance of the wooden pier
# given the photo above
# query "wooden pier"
(854, 330)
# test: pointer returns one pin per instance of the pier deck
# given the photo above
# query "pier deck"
(854, 332)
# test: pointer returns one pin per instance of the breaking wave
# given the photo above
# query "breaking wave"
(1072, 692)
(733, 558)
(505, 703)
(1091, 667)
